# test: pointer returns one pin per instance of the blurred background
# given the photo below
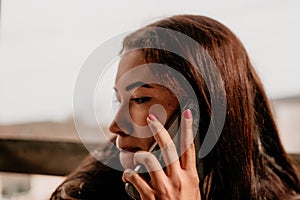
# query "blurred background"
(44, 44)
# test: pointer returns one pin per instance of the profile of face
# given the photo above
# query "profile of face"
(138, 96)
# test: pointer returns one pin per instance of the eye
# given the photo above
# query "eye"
(141, 100)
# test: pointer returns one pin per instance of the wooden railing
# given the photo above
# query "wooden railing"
(43, 157)
(40, 157)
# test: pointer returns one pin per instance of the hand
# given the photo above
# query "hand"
(180, 179)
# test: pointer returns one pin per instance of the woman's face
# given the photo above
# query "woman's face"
(137, 99)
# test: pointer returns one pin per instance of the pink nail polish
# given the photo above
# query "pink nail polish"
(187, 114)
(152, 117)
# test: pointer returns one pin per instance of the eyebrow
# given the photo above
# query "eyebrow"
(137, 84)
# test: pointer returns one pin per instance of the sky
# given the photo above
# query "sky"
(44, 44)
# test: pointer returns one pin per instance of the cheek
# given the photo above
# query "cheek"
(139, 114)
(160, 112)
(140, 127)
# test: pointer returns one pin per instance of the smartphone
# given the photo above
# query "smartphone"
(172, 126)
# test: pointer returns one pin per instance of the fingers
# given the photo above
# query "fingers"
(168, 148)
(176, 174)
(165, 142)
(152, 165)
(188, 157)
(148, 160)
(154, 169)
(140, 185)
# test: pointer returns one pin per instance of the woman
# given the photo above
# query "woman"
(247, 160)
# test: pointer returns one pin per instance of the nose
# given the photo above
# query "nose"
(120, 124)
(114, 128)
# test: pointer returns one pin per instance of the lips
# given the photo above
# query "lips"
(130, 149)
(127, 154)
(123, 147)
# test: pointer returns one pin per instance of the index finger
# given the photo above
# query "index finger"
(164, 141)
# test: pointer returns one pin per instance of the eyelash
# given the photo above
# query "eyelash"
(141, 100)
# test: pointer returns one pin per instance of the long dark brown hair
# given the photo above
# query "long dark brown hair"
(249, 160)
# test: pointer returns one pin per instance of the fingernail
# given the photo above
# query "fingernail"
(154, 124)
(152, 117)
(187, 114)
